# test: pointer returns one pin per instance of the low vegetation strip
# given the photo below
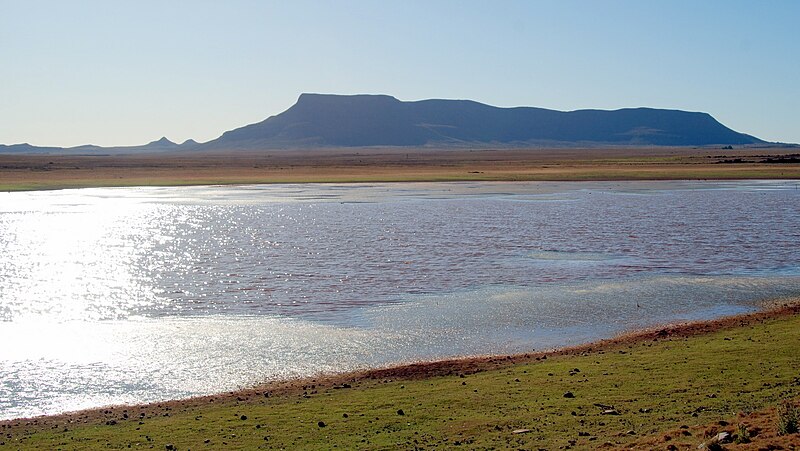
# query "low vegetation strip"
(669, 388)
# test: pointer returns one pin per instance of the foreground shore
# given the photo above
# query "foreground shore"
(33, 172)
(669, 388)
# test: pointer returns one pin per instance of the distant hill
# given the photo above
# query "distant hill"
(320, 120)
(380, 120)
(26, 148)
(161, 145)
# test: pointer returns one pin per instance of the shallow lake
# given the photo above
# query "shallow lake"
(128, 295)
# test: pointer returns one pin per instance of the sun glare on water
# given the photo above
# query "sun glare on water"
(73, 263)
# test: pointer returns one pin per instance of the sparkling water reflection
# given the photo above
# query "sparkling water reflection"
(139, 294)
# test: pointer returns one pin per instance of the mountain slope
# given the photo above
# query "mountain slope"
(379, 120)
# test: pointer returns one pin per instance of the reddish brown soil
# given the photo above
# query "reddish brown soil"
(761, 427)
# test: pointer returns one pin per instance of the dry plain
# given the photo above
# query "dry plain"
(32, 172)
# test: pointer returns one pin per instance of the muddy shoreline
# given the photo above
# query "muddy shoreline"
(416, 371)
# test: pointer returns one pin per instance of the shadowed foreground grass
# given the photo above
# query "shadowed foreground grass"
(606, 395)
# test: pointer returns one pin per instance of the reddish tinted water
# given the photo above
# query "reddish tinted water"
(138, 294)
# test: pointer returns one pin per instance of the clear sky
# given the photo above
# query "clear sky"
(128, 72)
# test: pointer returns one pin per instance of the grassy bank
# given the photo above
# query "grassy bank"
(628, 391)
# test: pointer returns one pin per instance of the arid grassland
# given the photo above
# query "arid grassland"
(32, 172)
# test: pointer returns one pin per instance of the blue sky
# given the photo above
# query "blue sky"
(125, 73)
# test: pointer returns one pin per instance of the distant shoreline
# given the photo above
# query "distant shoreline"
(395, 164)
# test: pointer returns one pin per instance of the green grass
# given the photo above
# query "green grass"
(655, 386)
(788, 419)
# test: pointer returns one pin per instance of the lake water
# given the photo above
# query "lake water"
(129, 295)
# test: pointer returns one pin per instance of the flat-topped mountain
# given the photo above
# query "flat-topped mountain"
(380, 120)
(326, 120)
